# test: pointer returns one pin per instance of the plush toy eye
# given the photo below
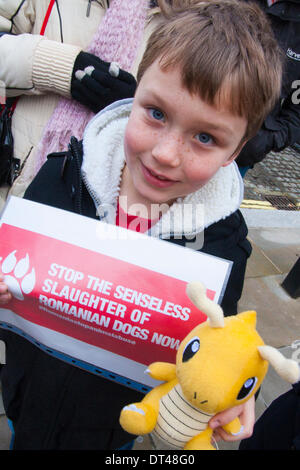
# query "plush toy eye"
(247, 388)
(191, 348)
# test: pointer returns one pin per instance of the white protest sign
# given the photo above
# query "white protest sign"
(87, 294)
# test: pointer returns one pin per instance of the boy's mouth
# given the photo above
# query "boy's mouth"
(156, 178)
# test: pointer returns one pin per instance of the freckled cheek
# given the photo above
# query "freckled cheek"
(197, 175)
(137, 141)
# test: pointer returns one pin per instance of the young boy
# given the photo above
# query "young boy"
(209, 75)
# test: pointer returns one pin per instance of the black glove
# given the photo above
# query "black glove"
(95, 84)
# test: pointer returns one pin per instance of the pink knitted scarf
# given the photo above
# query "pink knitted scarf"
(117, 39)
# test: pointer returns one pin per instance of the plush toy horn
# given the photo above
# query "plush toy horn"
(287, 369)
(197, 294)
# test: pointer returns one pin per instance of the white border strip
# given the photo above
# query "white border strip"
(74, 348)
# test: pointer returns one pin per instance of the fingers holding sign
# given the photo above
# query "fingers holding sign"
(5, 295)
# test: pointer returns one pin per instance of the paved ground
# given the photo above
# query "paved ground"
(277, 175)
(275, 238)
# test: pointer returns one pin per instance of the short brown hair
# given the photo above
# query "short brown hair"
(217, 43)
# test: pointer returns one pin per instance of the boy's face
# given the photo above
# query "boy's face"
(175, 142)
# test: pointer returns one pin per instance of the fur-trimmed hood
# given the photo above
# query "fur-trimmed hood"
(103, 162)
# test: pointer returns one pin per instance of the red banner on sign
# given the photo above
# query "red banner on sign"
(109, 303)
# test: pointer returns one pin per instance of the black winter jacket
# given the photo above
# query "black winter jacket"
(54, 405)
(281, 128)
(279, 426)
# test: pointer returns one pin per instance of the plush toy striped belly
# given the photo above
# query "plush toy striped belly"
(178, 421)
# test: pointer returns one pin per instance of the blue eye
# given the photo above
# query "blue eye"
(204, 138)
(191, 349)
(156, 114)
(247, 388)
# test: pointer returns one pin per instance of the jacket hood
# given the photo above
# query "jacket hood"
(103, 163)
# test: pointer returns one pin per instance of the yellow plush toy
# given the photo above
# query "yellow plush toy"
(221, 363)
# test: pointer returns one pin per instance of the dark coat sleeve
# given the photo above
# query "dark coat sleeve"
(59, 184)
(279, 426)
(281, 127)
(280, 130)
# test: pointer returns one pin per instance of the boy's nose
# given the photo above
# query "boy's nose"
(168, 150)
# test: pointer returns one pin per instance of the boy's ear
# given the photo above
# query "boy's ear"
(235, 153)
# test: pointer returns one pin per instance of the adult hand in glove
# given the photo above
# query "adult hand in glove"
(96, 83)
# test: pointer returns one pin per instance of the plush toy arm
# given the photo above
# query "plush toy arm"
(163, 371)
(140, 418)
(234, 427)
(201, 442)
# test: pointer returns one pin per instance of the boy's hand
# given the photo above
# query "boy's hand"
(246, 414)
(5, 296)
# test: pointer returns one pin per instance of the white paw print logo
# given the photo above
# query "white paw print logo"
(16, 275)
